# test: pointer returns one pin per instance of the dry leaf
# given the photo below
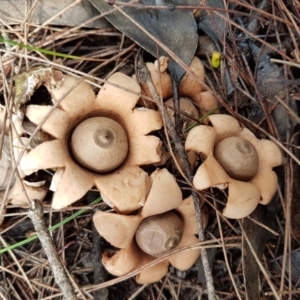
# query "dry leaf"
(176, 29)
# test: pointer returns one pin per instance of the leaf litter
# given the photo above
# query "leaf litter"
(251, 86)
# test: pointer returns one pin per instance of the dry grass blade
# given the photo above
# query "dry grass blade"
(25, 272)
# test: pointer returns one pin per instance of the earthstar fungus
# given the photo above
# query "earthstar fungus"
(222, 168)
(17, 197)
(82, 118)
(190, 86)
(163, 205)
(18, 189)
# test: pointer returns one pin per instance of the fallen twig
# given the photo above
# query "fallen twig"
(60, 273)
(143, 75)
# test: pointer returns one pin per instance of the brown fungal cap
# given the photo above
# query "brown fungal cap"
(238, 157)
(160, 233)
(99, 144)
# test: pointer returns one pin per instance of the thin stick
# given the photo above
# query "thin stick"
(262, 268)
(114, 281)
(60, 273)
(289, 63)
(143, 75)
(137, 292)
(226, 257)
